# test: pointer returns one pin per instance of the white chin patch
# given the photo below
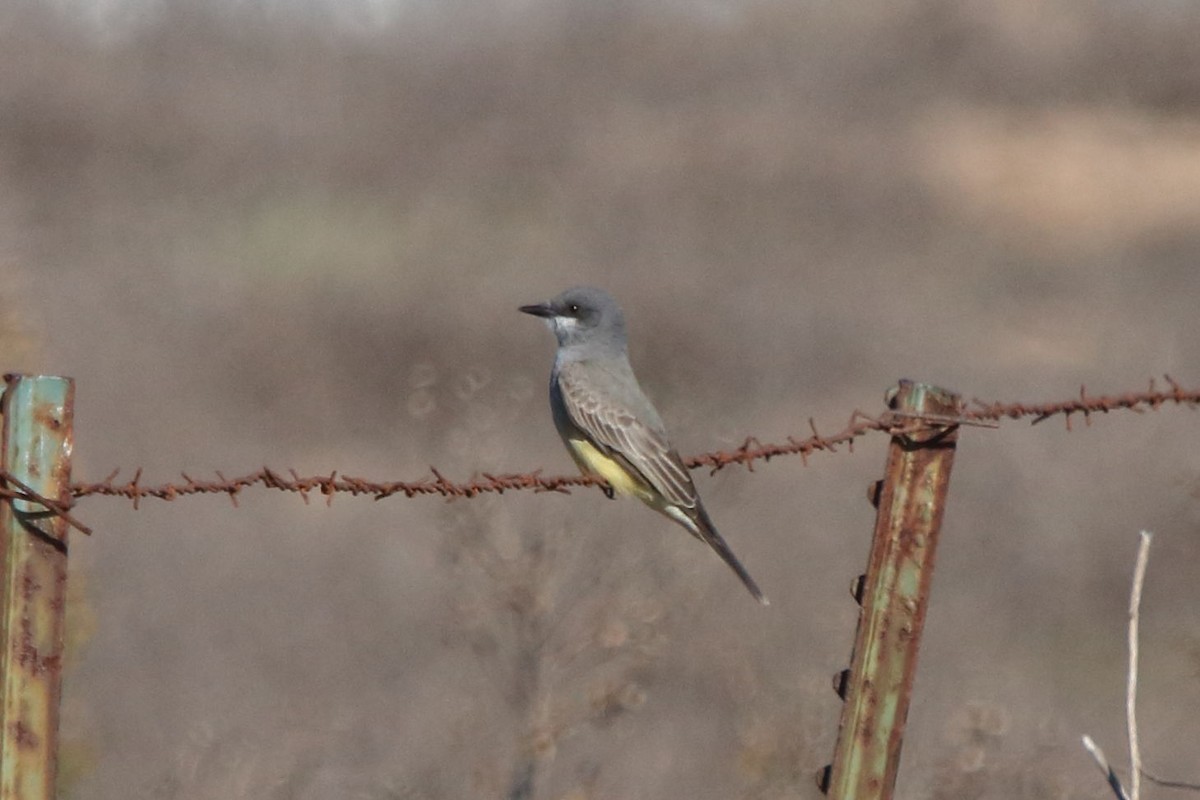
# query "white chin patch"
(563, 324)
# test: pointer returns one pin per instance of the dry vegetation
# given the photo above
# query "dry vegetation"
(256, 234)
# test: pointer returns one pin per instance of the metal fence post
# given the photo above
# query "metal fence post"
(894, 596)
(36, 441)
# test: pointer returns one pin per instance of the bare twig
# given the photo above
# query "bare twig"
(1098, 756)
(1135, 608)
(1166, 784)
(1137, 771)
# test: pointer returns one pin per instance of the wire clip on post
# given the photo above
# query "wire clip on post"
(894, 593)
(36, 442)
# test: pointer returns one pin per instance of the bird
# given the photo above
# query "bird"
(610, 428)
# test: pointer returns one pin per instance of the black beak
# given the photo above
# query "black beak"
(540, 310)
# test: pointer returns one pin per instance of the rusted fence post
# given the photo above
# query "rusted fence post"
(894, 595)
(37, 437)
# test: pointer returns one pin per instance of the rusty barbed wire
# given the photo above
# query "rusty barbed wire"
(751, 451)
(1138, 402)
(12, 489)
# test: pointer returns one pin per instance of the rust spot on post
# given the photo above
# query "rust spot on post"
(24, 736)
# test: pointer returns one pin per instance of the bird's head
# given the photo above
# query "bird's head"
(583, 315)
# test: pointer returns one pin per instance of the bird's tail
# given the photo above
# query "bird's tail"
(707, 532)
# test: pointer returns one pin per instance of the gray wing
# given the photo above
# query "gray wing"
(604, 405)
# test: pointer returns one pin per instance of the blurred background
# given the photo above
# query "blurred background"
(296, 234)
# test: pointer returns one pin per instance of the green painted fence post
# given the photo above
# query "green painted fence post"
(894, 594)
(37, 437)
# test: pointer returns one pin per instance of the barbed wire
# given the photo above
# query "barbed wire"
(1139, 402)
(751, 451)
(12, 489)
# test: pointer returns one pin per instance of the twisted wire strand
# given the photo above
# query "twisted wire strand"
(752, 450)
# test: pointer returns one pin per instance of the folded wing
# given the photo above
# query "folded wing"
(615, 426)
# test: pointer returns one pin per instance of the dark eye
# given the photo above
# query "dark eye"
(573, 308)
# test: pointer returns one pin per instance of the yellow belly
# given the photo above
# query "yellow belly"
(594, 462)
